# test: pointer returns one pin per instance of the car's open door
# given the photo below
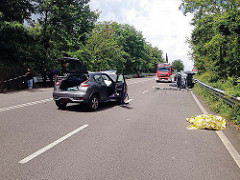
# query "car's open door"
(121, 87)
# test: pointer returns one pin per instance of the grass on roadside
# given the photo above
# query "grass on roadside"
(219, 106)
(231, 85)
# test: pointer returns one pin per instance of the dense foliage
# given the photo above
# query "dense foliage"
(177, 65)
(114, 46)
(35, 32)
(215, 40)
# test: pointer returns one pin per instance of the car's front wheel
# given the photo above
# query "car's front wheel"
(61, 105)
(93, 103)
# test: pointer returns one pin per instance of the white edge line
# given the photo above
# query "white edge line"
(229, 147)
(199, 104)
(235, 155)
(37, 153)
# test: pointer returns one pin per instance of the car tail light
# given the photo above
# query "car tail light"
(84, 84)
(58, 83)
(79, 98)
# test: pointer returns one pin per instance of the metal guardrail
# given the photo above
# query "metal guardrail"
(13, 79)
(39, 79)
(230, 100)
(16, 83)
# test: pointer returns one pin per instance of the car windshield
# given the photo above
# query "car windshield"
(163, 69)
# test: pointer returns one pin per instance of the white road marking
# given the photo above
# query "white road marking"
(199, 104)
(229, 147)
(128, 101)
(37, 153)
(235, 155)
(25, 105)
(145, 91)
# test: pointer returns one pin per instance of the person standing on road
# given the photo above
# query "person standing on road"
(44, 77)
(50, 76)
(55, 74)
(29, 78)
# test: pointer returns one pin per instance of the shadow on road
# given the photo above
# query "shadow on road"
(173, 85)
(167, 89)
(125, 106)
(102, 107)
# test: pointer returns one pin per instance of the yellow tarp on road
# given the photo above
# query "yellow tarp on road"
(207, 121)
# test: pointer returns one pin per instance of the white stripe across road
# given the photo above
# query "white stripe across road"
(37, 153)
(25, 105)
(235, 155)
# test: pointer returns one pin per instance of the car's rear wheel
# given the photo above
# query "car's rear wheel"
(61, 105)
(93, 103)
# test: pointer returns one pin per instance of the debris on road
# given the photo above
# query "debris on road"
(207, 121)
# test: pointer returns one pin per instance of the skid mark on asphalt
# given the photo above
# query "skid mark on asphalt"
(39, 152)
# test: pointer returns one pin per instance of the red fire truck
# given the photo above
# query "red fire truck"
(164, 72)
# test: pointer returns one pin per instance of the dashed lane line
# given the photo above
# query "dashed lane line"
(145, 91)
(39, 152)
(25, 105)
(235, 155)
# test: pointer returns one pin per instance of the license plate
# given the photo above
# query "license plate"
(73, 89)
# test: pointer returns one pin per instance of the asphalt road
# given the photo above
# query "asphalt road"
(146, 139)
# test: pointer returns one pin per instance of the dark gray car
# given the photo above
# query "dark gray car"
(79, 86)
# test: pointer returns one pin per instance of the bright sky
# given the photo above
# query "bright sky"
(161, 22)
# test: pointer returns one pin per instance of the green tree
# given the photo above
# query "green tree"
(64, 25)
(104, 51)
(16, 10)
(152, 56)
(15, 41)
(215, 40)
(177, 65)
(116, 46)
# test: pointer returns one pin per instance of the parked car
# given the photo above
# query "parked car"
(89, 88)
